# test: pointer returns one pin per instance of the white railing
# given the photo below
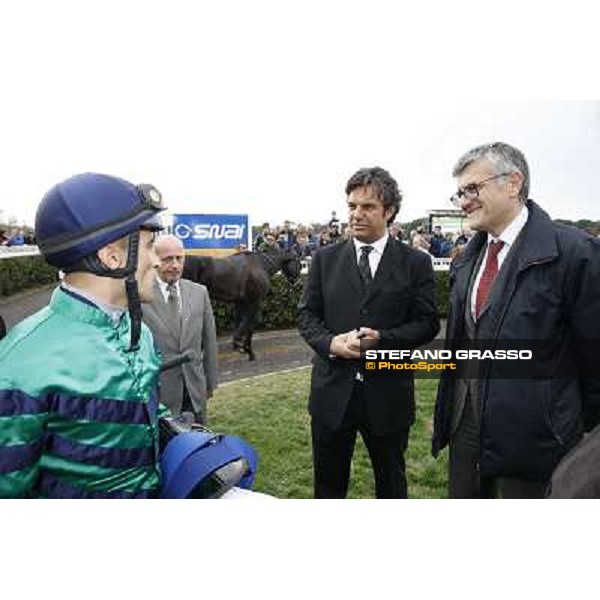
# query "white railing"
(305, 265)
(441, 264)
(12, 251)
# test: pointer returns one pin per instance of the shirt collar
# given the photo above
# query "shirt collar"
(114, 312)
(164, 285)
(510, 234)
(378, 245)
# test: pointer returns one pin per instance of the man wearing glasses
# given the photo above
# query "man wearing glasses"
(522, 277)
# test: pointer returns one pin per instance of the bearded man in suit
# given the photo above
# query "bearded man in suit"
(374, 288)
(181, 318)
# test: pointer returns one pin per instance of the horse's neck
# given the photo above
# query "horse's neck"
(203, 268)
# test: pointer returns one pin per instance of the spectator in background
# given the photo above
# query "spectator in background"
(286, 237)
(313, 240)
(17, 238)
(334, 232)
(419, 240)
(302, 248)
(436, 241)
(462, 238)
(324, 238)
(3, 238)
(396, 231)
(460, 243)
(446, 245)
(334, 220)
(270, 245)
(261, 237)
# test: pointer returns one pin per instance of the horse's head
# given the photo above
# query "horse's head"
(291, 266)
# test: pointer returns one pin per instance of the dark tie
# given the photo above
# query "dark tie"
(173, 307)
(363, 265)
(488, 276)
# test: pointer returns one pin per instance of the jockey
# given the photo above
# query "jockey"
(78, 381)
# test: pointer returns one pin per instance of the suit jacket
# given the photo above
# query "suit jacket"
(400, 304)
(198, 333)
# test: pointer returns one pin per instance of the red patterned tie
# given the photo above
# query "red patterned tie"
(488, 276)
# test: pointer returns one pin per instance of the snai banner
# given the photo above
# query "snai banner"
(213, 235)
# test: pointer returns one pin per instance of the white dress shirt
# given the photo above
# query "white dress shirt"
(165, 291)
(375, 254)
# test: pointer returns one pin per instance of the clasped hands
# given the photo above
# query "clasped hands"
(348, 345)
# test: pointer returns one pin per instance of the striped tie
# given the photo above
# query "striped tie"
(173, 307)
(363, 265)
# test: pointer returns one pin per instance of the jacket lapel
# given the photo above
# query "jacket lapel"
(349, 267)
(162, 311)
(462, 269)
(186, 309)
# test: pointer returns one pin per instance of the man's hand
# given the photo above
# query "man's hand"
(339, 346)
(349, 345)
(363, 339)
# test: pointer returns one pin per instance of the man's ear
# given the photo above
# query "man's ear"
(515, 183)
(113, 255)
(388, 212)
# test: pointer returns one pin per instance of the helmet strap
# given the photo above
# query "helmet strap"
(131, 289)
(92, 264)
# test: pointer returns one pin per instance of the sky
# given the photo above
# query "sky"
(267, 108)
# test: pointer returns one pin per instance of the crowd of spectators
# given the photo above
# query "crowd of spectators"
(302, 240)
(16, 237)
(439, 244)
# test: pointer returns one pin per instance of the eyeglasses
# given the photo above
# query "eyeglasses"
(471, 191)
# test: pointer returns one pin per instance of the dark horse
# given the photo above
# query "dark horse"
(243, 279)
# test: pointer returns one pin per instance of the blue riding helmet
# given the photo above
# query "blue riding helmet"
(85, 213)
(82, 214)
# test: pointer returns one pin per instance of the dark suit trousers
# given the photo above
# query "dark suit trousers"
(333, 449)
(464, 478)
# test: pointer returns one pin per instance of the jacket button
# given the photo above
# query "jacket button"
(364, 311)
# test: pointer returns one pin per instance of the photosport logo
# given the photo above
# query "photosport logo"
(431, 361)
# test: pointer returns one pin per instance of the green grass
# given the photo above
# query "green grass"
(270, 412)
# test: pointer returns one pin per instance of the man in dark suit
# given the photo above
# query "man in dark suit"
(181, 318)
(370, 288)
(521, 277)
